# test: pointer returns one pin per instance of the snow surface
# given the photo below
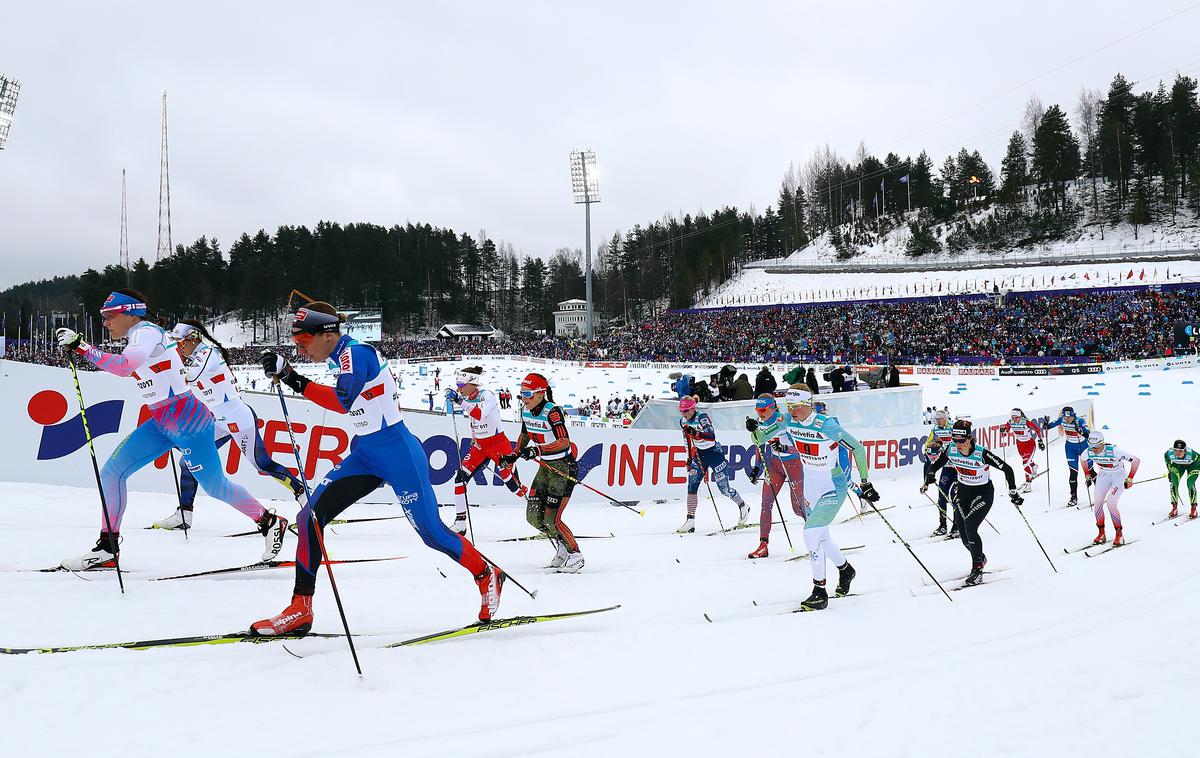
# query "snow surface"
(1095, 660)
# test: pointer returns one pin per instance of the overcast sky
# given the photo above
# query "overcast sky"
(463, 114)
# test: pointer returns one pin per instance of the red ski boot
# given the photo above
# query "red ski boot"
(1174, 510)
(295, 620)
(761, 552)
(1193, 513)
(1118, 540)
(1100, 538)
(491, 584)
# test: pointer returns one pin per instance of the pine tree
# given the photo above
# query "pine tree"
(1055, 155)
(1014, 169)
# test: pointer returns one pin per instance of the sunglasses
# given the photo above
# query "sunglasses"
(526, 394)
(302, 339)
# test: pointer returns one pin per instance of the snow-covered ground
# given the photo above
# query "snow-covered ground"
(1093, 660)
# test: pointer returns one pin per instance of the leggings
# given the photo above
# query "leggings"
(1108, 491)
(712, 461)
(1026, 450)
(548, 497)
(776, 471)
(245, 435)
(392, 455)
(1175, 477)
(971, 506)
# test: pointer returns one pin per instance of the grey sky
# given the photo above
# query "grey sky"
(462, 114)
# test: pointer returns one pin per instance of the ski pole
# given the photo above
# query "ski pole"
(910, 550)
(87, 433)
(1151, 479)
(775, 497)
(317, 528)
(178, 493)
(948, 499)
(572, 479)
(1035, 537)
(458, 454)
(1049, 506)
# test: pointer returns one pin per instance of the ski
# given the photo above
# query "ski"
(336, 522)
(496, 625)
(264, 565)
(731, 529)
(802, 609)
(806, 555)
(1107, 549)
(866, 512)
(608, 536)
(1168, 518)
(961, 587)
(204, 639)
(1185, 521)
(926, 582)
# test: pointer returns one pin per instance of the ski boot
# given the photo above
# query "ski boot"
(560, 555)
(689, 526)
(295, 620)
(1174, 510)
(976, 575)
(1073, 502)
(743, 514)
(817, 601)
(1193, 513)
(99, 557)
(1100, 538)
(1118, 538)
(1027, 486)
(940, 531)
(573, 564)
(180, 519)
(272, 528)
(491, 584)
(846, 574)
(460, 524)
(761, 552)
(954, 534)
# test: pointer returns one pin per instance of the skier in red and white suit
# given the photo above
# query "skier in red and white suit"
(489, 442)
(1028, 436)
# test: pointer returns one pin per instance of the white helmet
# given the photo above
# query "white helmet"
(1095, 439)
(798, 397)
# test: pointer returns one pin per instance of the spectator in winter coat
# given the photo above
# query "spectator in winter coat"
(795, 376)
(893, 376)
(741, 389)
(764, 383)
(683, 385)
(811, 380)
(837, 379)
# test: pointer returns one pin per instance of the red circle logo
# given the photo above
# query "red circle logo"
(47, 407)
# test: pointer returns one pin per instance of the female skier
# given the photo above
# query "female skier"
(705, 457)
(1028, 436)
(777, 465)
(1182, 463)
(1104, 464)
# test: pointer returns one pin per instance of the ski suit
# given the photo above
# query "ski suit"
(1179, 469)
(489, 443)
(1027, 434)
(974, 492)
(706, 457)
(775, 466)
(1075, 434)
(545, 427)
(1108, 466)
(938, 440)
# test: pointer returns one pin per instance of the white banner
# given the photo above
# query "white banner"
(44, 442)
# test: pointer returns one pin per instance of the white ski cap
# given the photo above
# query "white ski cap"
(798, 397)
(466, 376)
(183, 331)
(1095, 438)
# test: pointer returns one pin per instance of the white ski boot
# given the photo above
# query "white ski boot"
(689, 526)
(560, 555)
(460, 524)
(572, 565)
(272, 528)
(743, 514)
(99, 557)
(180, 519)
(1027, 486)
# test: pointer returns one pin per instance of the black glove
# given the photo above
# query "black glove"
(1015, 497)
(529, 452)
(751, 425)
(777, 445)
(1089, 479)
(868, 492)
(275, 366)
(1041, 445)
(755, 473)
(508, 460)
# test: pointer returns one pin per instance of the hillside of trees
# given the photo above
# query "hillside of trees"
(1131, 157)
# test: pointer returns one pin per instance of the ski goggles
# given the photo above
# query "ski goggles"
(117, 303)
(960, 435)
(765, 404)
(526, 394)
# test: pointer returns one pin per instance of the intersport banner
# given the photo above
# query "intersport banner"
(45, 443)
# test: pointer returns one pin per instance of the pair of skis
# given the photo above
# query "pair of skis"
(1100, 549)
(235, 637)
(260, 566)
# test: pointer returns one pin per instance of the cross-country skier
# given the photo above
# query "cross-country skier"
(544, 439)
(489, 443)
(1028, 436)
(1075, 433)
(974, 493)
(1182, 462)
(704, 457)
(1104, 464)
(777, 465)
(939, 439)
(206, 368)
(177, 419)
(383, 450)
(819, 439)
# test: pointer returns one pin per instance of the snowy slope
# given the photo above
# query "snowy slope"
(1093, 660)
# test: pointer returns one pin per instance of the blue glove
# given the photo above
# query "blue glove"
(453, 396)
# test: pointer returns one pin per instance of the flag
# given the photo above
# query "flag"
(881, 185)
(1072, 276)
(1085, 276)
(974, 180)
(1142, 275)
(1130, 275)
(904, 179)
(1052, 280)
(875, 200)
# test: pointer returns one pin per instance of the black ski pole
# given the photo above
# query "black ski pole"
(317, 528)
(775, 497)
(458, 455)
(178, 494)
(909, 549)
(87, 433)
(696, 454)
(1035, 537)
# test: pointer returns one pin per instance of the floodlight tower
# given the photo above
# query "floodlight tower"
(9, 89)
(164, 194)
(586, 189)
(125, 235)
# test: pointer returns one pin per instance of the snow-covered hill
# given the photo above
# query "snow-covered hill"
(1092, 660)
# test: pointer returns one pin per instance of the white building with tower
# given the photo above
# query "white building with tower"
(570, 320)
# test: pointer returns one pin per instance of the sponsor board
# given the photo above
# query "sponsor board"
(1153, 364)
(605, 364)
(1074, 369)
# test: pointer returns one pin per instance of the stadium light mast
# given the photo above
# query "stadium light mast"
(586, 190)
(9, 89)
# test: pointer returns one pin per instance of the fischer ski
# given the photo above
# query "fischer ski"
(806, 555)
(264, 565)
(738, 527)
(336, 522)
(927, 583)
(205, 639)
(866, 512)
(1107, 548)
(496, 625)
(608, 536)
